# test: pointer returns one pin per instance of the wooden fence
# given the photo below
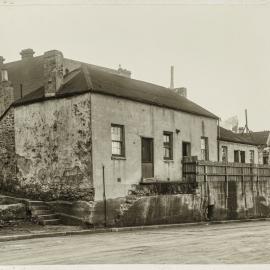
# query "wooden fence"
(195, 170)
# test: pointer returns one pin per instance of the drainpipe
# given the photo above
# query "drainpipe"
(104, 196)
(218, 136)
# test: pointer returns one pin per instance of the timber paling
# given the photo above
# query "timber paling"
(195, 170)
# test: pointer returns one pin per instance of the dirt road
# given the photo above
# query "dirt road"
(228, 243)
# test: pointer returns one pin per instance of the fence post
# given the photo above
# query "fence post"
(205, 173)
(226, 187)
(242, 180)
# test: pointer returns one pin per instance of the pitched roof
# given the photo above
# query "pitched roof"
(74, 83)
(28, 73)
(99, 81)
(252, 138)
(259, 137)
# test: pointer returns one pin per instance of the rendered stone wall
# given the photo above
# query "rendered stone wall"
(238, 199)
(6, 96)
(53, 149)
(8, 182)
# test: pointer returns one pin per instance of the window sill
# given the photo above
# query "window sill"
(168, 160)
(118, 158)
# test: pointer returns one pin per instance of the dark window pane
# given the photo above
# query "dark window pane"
(236, 156)
(243, 156)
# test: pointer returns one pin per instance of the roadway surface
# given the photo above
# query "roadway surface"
(205, 244)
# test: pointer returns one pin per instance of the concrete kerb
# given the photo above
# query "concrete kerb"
(121, 229)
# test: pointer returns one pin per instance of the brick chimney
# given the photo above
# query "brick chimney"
(27, 54)
(6, 88)
(182, 91)
(53, 72)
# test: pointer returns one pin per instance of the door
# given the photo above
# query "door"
(147, 158)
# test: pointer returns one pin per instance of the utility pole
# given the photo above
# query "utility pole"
(172, 77)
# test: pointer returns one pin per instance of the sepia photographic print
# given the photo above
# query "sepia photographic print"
(134, 134)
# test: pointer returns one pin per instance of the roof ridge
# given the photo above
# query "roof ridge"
(87, 76)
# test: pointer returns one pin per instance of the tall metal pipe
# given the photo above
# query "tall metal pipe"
(104, 196)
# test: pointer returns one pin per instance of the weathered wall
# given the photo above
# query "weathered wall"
(241, 147)
(142, 120)
(7, 153)
(53, 149)
(239, 199)
(6, 96)
(229, 200)
(164, 209)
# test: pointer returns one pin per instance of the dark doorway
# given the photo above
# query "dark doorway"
(186, 149)
(147, 158)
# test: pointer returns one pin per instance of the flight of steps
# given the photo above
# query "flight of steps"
(42, 213)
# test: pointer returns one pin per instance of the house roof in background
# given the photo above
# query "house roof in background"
(252, 138)
(259, 137)
(90, 78)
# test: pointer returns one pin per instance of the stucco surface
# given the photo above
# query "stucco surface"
(141, 120)
(241, 147)
(53, 149)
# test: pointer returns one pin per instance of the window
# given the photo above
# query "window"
(265, 157)
(117, 135)
(224, 153)
(251, 156)
(204, 148)
(186, 149)
(236, 156)
(243, 156)
(168, 145)
(4, 75)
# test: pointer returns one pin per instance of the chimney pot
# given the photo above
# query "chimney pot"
(27, 53)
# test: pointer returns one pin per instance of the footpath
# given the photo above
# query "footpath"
(30, 231)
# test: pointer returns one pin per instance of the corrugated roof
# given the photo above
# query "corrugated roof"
(100, 81)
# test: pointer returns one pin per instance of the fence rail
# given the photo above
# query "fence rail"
(195, 170)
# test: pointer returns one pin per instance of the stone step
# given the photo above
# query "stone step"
(32, 203)
(39, 207)
(41, 212)
(50, 222)
(47, 217)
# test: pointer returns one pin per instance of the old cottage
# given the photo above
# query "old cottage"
(251, 147)
(101, 147)
(68, 120)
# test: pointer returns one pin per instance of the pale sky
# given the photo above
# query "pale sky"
(220, 49)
